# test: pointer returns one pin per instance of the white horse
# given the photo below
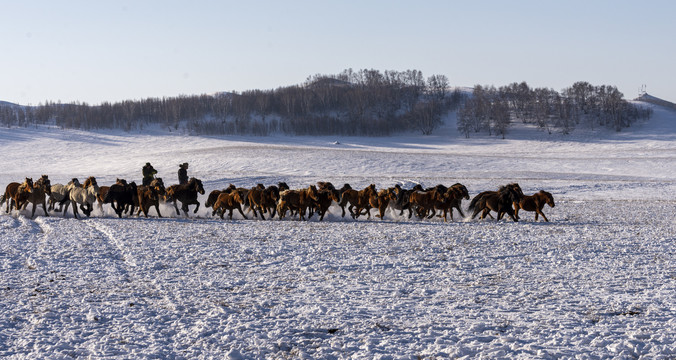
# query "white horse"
(60, 194)
(85, 196)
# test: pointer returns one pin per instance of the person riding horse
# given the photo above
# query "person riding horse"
(183, 174)
(148, 174)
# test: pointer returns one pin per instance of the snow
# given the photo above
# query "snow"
(598, 281)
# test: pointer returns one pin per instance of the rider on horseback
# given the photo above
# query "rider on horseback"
(148, 174)
(183, 174)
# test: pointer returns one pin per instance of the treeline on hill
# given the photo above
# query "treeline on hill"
(493, 109)
(364, 102)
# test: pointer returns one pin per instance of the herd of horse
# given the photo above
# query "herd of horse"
(271, 201)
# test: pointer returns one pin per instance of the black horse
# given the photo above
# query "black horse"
(121, 197)
(186, 194)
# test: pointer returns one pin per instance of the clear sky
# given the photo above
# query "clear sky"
(95, 51)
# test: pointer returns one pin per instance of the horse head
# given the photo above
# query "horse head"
(198, 186)
(44, 184)
(548, 198)
(27, 185)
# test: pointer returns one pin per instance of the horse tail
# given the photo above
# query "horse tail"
(474, 202)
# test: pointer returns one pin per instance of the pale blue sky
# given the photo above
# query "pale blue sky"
(94, 51)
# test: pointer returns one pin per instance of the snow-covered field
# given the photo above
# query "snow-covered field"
(598, 281)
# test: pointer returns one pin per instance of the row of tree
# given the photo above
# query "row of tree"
(493, 109)
(364, 102)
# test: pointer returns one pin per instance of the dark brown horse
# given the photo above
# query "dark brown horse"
(41, 189)
(513, 186)
(457, 201)
(535, 203)
(325, 198)
(186, 194)
(16, 193)
(149, 195)
(447, 201)
(499, 201)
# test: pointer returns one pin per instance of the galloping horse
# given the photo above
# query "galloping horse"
(296, 200)
(229, 201)
(85, 196)
(16, 194)
(41, 188)
(59, 194)
(120, 196)
(499, 201)
(382, 200)
(213, 196)
(359, 200)
(535, 203)
(186, 194)
(149, 195)
(457, 201)
(325, 198)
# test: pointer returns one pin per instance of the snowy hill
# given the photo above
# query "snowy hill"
(597, 281)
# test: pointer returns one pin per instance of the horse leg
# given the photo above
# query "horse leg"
(157, 207)
(239, 208)
(74, 205)
(541, 213)
(44, 207)
(197, 208)
(176, 207)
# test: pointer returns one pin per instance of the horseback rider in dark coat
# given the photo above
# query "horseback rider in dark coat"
(183, 174)
(148, 174)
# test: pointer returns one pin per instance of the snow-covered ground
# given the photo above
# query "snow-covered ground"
(597, 281)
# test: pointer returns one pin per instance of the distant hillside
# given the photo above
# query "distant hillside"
(657, 101)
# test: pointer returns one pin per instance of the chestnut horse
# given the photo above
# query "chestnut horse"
(229, 201)
(359, 200)
(499, 201)
(298, 200)
(186, 194)
(213, 196)
(16, 194)
(535, 203)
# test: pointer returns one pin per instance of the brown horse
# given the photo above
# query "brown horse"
(149, 195)
(447, 202)
(423, 201)
(357, 200)
(382, 200)
(255, 198)
(229, 201)
(513, 186)
(16, 193)
(457, 201)
(298, 200)
(186, 194)
(213, 196)
(325, 198)
(499, 201)
(535, 203)
(41, 189)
